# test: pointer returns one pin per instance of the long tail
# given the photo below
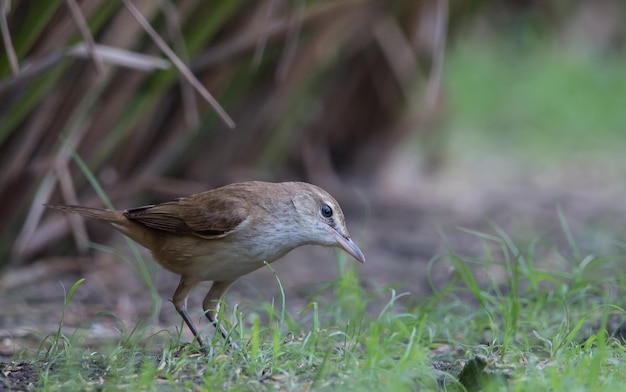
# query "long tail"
(109, 216)
(116, 219)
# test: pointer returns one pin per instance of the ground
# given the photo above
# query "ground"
(403, 220)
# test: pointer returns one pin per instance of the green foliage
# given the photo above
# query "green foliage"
(537, 100)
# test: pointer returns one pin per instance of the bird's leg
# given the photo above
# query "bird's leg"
(211, 305)
(180, 302)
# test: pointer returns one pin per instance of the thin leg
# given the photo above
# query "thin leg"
(180, 302)
(211, 305)
(183, 313)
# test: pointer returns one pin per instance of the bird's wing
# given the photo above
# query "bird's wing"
(205, 215)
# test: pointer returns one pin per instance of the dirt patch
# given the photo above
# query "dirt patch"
(18, 376)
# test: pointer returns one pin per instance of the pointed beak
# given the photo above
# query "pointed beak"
(349, 246)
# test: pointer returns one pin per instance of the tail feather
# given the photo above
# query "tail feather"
(100, 214)
(116, 219)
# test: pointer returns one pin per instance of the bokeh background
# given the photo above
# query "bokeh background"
(421, 117)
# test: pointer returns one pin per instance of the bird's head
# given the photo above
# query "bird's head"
(325, 224)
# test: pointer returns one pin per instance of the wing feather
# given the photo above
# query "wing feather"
(206, 215)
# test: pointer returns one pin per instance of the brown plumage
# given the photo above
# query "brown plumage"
(225, 233)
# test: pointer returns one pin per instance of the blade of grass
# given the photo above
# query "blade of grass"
(145, 274)
(568, 233)
(182, 67)
(81, 23)
(36, 19)
(67, 297)
(283, 305)
(467, 277)
(6, 37)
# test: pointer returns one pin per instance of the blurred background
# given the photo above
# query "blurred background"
(421, 117)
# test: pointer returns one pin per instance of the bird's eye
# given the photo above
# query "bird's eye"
(326, 211)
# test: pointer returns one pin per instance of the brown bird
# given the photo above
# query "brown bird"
(225, 233)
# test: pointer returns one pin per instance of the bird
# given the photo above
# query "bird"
(224, 233)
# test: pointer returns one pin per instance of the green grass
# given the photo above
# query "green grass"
(545, 326)
(538, 101)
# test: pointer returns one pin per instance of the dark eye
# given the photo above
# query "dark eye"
(326, 211)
